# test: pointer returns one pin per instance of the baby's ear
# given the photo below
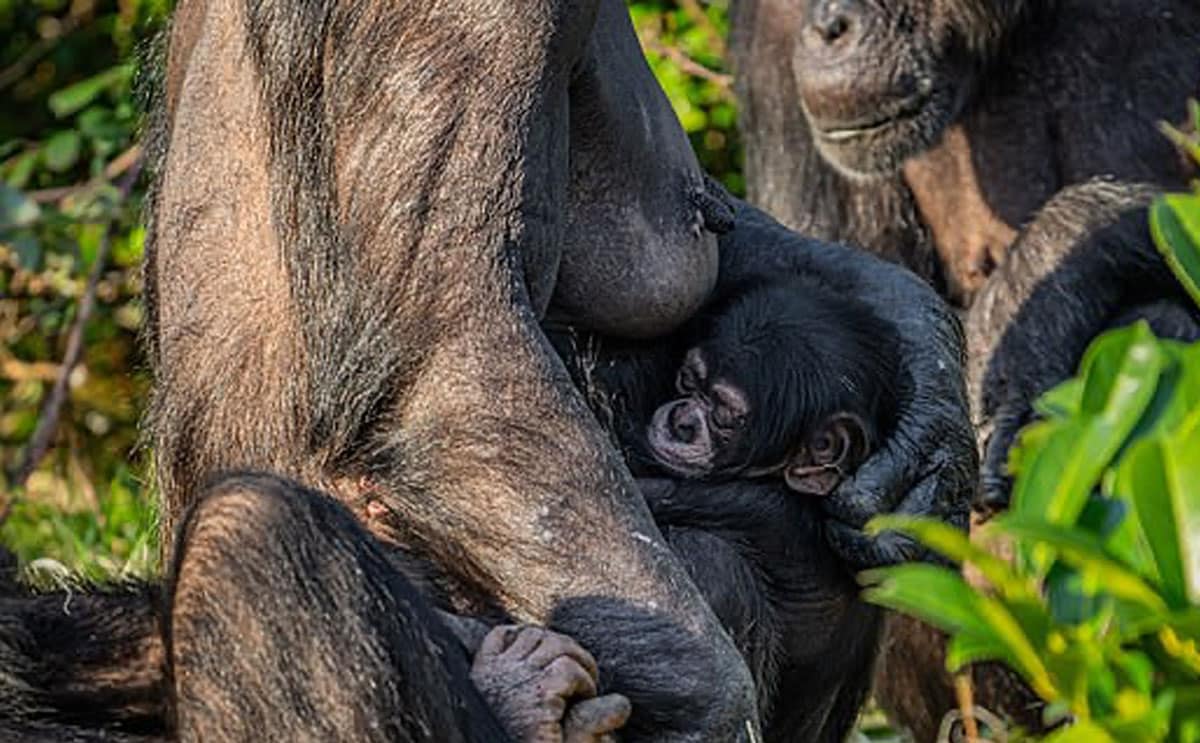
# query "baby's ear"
(834, 449)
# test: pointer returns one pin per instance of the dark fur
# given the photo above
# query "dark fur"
(758, 554)
(281, 619)
(1028, 103)
(800, 352)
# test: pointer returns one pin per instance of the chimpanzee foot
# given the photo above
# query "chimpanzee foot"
(529, 675)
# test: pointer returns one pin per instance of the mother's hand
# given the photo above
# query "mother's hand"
(929, 464)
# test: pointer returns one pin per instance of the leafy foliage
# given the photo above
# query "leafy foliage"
(67, 138)
(1100, 609)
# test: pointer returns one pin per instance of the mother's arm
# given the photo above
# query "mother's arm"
(929, 464)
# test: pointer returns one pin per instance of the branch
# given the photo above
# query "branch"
(43, 435)
(700, 18)
(690, 66)
(115, 168)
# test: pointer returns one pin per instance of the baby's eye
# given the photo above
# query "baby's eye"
(685, 382)
(823, 444)
(723, 417)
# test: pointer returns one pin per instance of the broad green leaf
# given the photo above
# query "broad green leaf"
(61, 151)
(1121, 370)
(936, 594)
(1181, 456)
(1175, 224)
(957, 546)
(1030, 441)
(1085, 552)
(1141, 478)
(1080, 732)
(21, 168)
(1140, 717)
(1178, 392)
(964, 648)
(1062, 401)
(75, 97)
(942, 598)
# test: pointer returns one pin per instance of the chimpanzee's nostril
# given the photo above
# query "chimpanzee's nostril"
(835, 19)
(683, 424)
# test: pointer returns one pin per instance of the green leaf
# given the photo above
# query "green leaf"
(75, 97)
(936, 594)
(942, 598)
(957, 546)
(1080, 732)
(1085, 552)
(1142, 478)
(1120, 373)
(1175, 224)
(61, 151)
(1062, 401)
(20, 169)
(1181, 457)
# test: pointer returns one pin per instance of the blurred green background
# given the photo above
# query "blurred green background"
(70, 212)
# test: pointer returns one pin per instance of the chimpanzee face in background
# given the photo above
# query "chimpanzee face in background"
(880, 81)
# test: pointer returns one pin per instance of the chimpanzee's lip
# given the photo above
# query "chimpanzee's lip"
(678, 466)
(875, 122)
(675, 463)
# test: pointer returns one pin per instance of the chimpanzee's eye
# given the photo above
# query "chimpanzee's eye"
(823, 444)
(725, 418)
(685, 382)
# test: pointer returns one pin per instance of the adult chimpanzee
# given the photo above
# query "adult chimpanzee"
(933, 133)
(364, 210)
(956, 136)
(282, 619)
(780, 389)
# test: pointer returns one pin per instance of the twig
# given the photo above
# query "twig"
(118, 166)
(700, 18)
(691, 66)
(43, 435)
(966, 703)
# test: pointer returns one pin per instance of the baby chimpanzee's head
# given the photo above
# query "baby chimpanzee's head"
(787, 377)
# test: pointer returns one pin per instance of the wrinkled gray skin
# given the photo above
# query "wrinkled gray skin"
(364, 210)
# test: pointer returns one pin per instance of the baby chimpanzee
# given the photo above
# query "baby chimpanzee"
(783, 388)
(785, 378)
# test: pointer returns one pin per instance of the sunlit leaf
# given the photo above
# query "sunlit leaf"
(1175, 223)
(61, 151)
(75, 97)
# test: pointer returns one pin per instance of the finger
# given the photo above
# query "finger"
(875, 488)
(940, 495)
(527, 639)
(588, 720)
(554, 645)
(498, 639)
(861, 551)
(565, 678)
